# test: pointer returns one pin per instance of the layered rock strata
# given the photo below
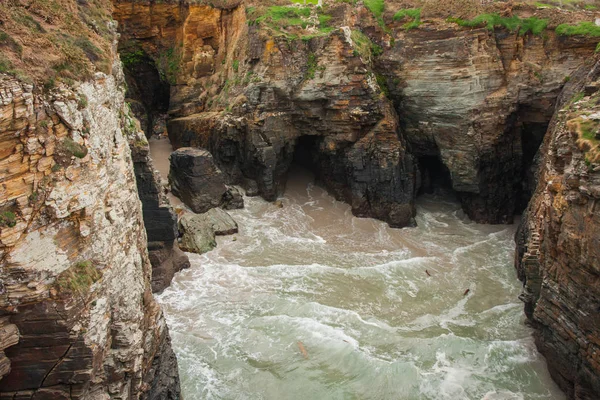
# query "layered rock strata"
(558, 243)
(358, 103)
(160, 219)
(318, 97)
(75, 274)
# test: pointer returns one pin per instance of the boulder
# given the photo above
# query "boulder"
(198, 231)
(199, 183)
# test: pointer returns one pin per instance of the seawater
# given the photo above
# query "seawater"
(309, 302)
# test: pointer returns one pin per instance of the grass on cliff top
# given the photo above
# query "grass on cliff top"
(45, 41)
(583, 28)
(514, 23)
(290, 21)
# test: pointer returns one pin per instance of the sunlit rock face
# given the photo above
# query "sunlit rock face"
(76, 309)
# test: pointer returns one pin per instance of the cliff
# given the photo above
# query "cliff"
(558, 245)
(379, 110)
(77, 315)
(386, 103)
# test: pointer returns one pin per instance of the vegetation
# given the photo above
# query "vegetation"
(78, 278)
(534, 25)
(583, 28)
(74, 148)
(289, 21)
(8, 219)
(377, 7)
(131, 57)
(168, 65)
(381, 81)
(413, 14)
(364, 47)
(311, 66)
(47, 41)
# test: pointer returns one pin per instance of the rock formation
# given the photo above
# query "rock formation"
(199, 183)
(77, 315)
(350, 105)
(159, 218)
(381, 105)
(558, 243)
(198, 231)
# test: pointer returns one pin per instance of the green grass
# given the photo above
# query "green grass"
(78, 278)
(514, 23)
(8, 219)
(375, 6)
(279, 18)
(305, 1)
(413, 14)
(364, 47)
(74, 148)
(583, 28)
(282, 15)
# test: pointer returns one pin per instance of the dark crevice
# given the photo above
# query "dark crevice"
(532, 136)
(435, 176)
(306, 152)
(147, 93)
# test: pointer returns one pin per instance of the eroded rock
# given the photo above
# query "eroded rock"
(199, 183)
(198, 231)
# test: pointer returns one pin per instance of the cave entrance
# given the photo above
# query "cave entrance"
(532, 136)
(148, 94)
(435, 176)
(306, 152)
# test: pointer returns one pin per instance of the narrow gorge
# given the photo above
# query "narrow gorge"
(287, 143)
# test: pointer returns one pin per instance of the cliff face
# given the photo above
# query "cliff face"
(315, 101)
(77, 315)
(369, 108)
(558, 244)
(75, 273)
(481, 101)
(160, 219)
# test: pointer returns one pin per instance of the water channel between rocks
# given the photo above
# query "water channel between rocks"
(310, 302)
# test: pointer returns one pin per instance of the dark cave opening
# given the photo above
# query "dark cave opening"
(147, 93)
(305, 153)
(434, 176)
(532, 136)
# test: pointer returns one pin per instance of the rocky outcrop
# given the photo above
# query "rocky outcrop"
(558, 243)
(198, 231)
(199, 183)
(480, 100)
(359, 104)
(316, 99)
(75, 275)
(159, 218)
